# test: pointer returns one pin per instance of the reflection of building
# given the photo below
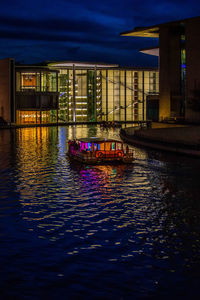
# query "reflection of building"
(75, 92)
(179, 48)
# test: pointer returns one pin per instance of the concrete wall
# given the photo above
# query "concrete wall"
(5, 90)
(192, 68)
(169, 72)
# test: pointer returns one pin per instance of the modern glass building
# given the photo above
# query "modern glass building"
(36, 96)
(97, 92)
(71, 92)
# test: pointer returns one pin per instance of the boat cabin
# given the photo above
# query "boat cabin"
(96, 150)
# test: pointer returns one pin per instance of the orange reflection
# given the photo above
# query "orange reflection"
(35, 152)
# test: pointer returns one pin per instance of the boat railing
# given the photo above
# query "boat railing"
(101, 154)
(113, 154)
(108, 156)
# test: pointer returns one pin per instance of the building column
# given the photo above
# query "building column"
(106, 95)
(132, 100)
(143, 95)
(119, 96)
(74, 94)
(95, 93)
(58, 97)
(40, 97)
(113, 95)
(40, 81)
(68, 94)
(125, 94)
(13, 90)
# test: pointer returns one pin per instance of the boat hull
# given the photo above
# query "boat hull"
(98, 161)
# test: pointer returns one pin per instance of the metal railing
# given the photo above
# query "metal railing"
(87, 155)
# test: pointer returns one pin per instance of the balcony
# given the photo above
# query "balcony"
(36, 89)
(36, 100)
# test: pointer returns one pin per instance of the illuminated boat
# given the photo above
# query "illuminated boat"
(99, 150)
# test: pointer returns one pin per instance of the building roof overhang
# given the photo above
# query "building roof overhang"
(31, 68)
(152, 32)
(63, 64)
(151, 51)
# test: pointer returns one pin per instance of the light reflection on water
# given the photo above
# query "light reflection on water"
(95, 231)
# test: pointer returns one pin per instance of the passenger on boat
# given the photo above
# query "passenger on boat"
(75, 145)
(84, 149)
(70, 145)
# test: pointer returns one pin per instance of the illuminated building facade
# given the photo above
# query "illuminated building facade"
(93, 93)
(69, 92)
(36, 95)
(179, 67)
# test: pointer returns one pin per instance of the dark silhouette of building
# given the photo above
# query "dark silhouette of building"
(179, 66)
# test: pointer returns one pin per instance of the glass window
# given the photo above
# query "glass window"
(28, 117)
(30, 81)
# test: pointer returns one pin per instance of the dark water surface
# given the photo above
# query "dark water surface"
(95, 232)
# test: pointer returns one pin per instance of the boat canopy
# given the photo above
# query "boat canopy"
(98, 140)
(98, 144)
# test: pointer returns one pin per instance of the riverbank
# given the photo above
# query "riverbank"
(101, 123)
(178, 139)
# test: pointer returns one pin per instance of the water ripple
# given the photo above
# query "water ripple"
(132, 229)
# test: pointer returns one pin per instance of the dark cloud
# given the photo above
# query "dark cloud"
(84, 30)
(53, 24)
(58, 30)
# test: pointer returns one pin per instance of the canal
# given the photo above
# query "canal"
(71, 231)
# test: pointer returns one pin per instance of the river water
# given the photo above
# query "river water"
(71, 231)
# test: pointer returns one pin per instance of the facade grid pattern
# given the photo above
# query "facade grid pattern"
(88, 94)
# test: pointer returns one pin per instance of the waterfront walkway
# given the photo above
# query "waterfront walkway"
(168, 137)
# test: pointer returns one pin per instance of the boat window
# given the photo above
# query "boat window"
(118, 146)
(96, 146)
(113, 146)
(89, 146)
(108, 146)
(101, 146)
(83, 146)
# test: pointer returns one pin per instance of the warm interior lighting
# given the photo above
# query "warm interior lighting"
(28, 80)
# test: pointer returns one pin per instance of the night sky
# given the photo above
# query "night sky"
(84, 30)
